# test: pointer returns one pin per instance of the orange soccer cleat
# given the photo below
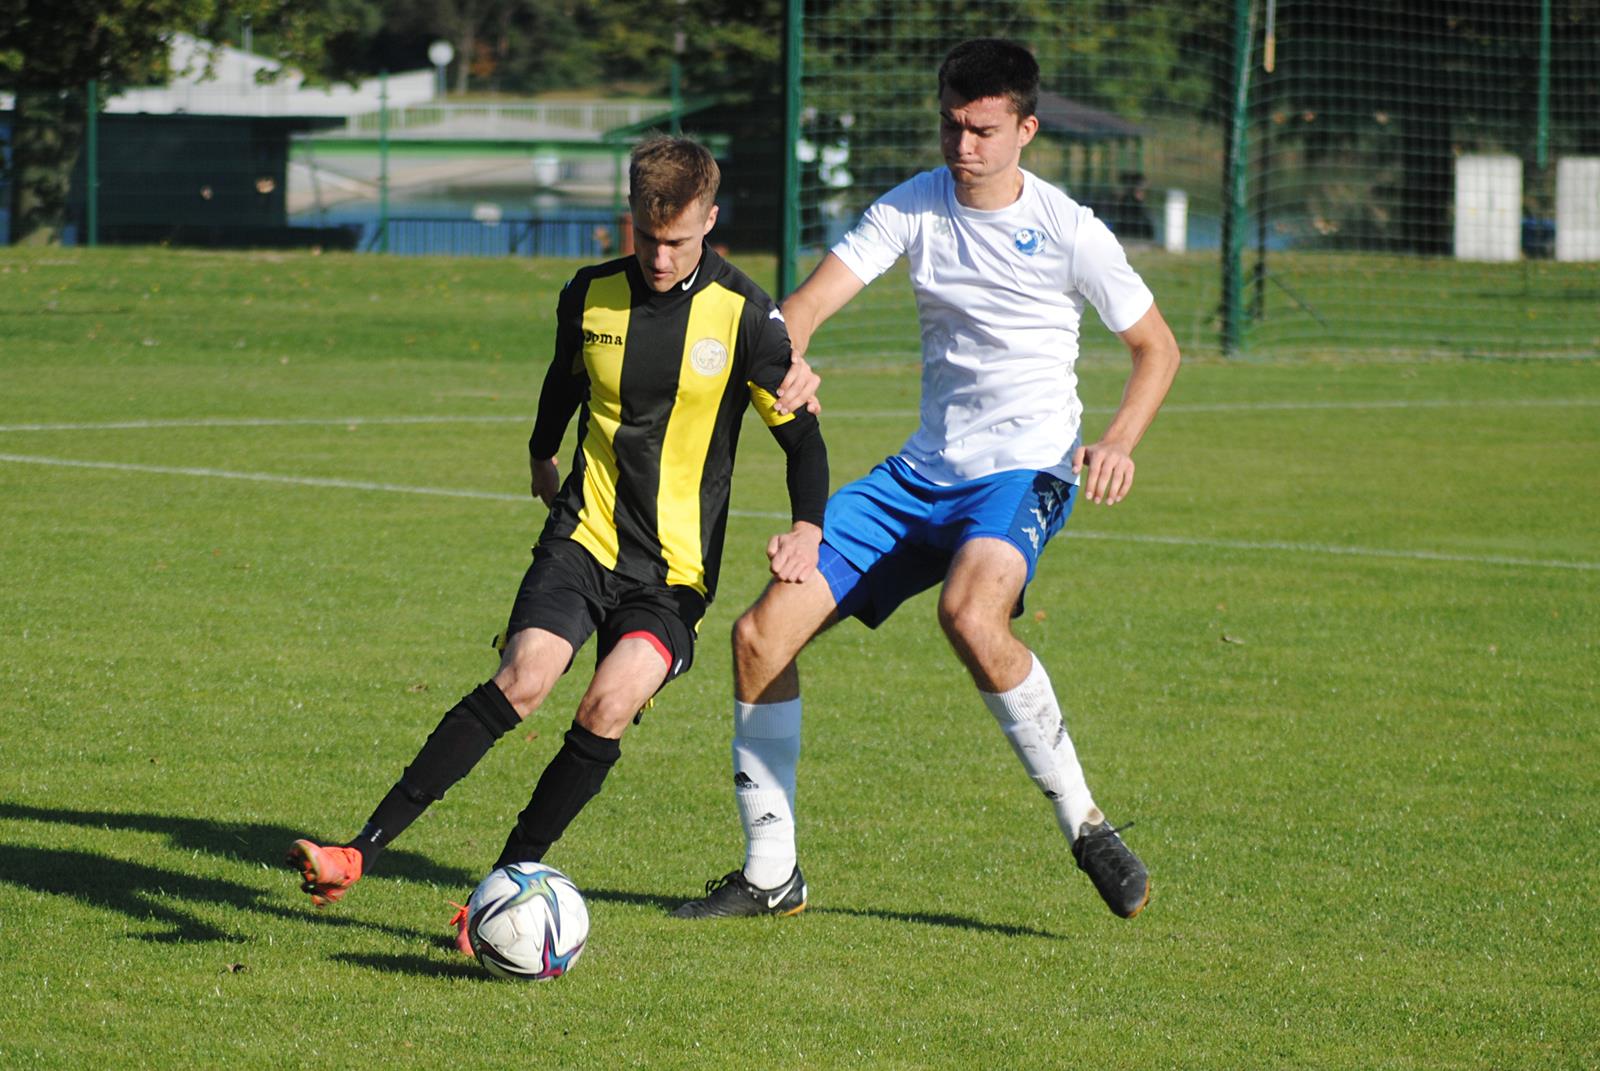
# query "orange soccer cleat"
(326, 873)
(459, 922)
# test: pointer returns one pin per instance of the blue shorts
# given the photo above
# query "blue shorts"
(892, 534)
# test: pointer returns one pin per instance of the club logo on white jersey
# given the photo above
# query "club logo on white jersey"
(1028, 241)
(708, 356)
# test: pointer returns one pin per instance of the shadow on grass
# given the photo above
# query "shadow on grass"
(638, 899)
(668, 903)
(251, 842)
(148, 893)
(957, 921)
(422, 966)
(144, 892)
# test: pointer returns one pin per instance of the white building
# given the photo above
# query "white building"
(212, 79)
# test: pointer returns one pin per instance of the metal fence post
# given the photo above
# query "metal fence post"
(1234, 183)
(91, 186)
(383, 162)
(793, 19)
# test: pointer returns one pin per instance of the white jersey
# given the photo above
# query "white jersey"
(1000, 295)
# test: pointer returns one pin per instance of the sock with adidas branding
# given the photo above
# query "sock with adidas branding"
(1031, 719)
(766, 752)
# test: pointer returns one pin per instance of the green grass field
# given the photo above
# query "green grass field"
(1338, 655)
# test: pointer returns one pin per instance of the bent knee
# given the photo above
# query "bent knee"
(606, 715)
(525, 687)
(747, 634)
(965, 623)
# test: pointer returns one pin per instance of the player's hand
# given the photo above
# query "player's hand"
(799, 388)
(546, 478)
(793, 554)
(1104, 471)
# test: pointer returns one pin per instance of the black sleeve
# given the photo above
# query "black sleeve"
(566, 381)
(807, 465)
(765, 341)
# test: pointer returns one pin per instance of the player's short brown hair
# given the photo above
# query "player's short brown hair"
(668, 174)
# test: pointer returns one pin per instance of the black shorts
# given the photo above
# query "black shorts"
(567, 592)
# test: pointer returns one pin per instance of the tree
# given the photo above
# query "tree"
(51, 50)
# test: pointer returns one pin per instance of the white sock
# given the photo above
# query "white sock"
(766, 751)
(1031, 720)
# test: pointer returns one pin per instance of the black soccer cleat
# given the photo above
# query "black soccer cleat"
(1118, 876)
(731, 896)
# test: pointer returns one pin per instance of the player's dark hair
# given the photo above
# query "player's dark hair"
(993, 67)
(666, 175)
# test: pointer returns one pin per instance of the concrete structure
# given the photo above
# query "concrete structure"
(1578, 208)
(1488, 208)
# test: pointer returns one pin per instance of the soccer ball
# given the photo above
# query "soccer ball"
(527, 920)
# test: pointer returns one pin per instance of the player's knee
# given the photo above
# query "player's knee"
(748, 638)
(524, 686)
(965, 624)
(606, 714)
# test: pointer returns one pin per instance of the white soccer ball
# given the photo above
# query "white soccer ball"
(527, 920)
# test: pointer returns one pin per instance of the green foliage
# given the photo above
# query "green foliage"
(49, 45)
(50, 52)
(1362, 775)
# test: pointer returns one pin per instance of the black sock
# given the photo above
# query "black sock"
(463, 736)
(572, 779)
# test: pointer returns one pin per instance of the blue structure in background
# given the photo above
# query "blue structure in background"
(447, 227)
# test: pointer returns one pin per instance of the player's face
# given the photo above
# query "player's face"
(981, 139)
(669, 252)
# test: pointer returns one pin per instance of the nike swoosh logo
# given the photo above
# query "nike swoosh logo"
(772, 901)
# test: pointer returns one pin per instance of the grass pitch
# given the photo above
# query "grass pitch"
(1337, 655)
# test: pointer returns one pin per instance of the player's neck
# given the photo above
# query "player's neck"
(992, 192)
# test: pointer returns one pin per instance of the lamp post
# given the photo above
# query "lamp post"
(440, 53)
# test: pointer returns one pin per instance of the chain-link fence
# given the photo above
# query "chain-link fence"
(1297, 177)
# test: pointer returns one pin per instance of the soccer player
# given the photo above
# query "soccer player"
(662, 351)
(1001, 264)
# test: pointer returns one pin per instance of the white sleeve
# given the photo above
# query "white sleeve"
(882, 236)
(1101, 273)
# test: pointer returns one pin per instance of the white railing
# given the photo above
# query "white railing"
(591, 117)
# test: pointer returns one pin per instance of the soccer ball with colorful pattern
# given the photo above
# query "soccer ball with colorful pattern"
(527, 920)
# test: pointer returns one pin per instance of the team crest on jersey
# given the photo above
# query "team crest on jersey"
(1028, 241)
(708, 356)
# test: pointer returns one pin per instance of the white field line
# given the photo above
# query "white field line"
(495, 496)
(1178, 408)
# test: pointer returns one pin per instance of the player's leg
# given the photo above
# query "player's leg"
(980, 596)
(986, 579)
(645, 641)
(532, 662)
(767, 639)
(863, 570)
(550, 619)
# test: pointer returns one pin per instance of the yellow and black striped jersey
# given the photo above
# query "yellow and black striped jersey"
(663, 380)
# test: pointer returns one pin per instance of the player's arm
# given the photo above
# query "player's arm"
(564, 384)
(1105, 469)
(828, 288)
(793, 554)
